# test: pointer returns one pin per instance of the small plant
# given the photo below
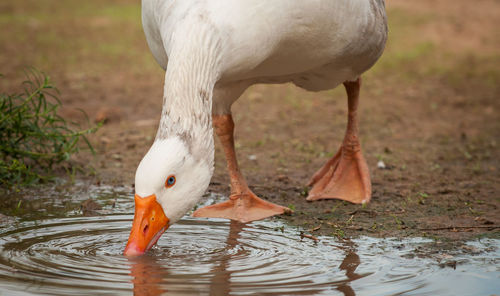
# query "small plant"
(33, 137)
(339, 233)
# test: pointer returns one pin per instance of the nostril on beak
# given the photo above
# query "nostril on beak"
(145, 230)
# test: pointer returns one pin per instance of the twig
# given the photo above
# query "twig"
(314, 229)
(302, 235)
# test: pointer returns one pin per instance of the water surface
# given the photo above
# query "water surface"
(62, 252)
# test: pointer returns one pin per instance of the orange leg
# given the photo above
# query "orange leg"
(345, 176)
(243, 205)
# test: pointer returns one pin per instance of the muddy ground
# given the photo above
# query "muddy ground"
(429, 111)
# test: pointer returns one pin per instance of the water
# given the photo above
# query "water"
(65, 253)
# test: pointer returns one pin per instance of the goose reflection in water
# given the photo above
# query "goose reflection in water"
(151, 275)
(350, 263)
(148, 276)
(221, 282)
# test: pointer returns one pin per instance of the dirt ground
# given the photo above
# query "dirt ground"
(429, 111)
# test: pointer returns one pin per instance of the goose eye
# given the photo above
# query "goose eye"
(170, 181)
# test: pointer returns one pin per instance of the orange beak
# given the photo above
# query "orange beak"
(149, 224)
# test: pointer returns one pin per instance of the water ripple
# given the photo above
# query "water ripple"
(83, 255)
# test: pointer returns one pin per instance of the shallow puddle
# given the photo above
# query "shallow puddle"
(75, 255)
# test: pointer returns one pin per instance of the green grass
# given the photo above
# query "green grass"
(412, 56)
(35, 138)
(62, 34)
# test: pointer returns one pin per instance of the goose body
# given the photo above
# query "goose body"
(212, 50)
(317, 45)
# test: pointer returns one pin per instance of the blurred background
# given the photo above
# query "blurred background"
(429, 109)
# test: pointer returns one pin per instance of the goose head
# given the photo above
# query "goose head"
(168, 183)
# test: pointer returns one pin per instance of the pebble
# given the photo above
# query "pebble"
(381, 165)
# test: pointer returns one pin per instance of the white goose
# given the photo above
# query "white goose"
(212, 50)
